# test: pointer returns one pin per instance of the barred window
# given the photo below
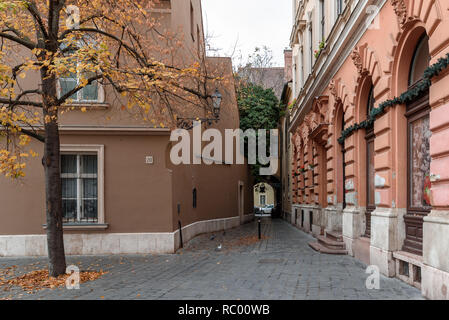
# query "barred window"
(79, 174)
(91, 92)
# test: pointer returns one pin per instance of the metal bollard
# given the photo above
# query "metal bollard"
(260, 232)
(181, 244)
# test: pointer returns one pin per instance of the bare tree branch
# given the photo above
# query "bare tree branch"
(62, 99)
(32, 9)
(33, 135)
(26, 43)
(131, 50)
(27, 132)
(21, 103)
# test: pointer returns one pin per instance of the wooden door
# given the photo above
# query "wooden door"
(370, 169)
(370, 177)
(418, 173)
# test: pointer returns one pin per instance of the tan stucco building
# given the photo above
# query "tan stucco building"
(121, 192)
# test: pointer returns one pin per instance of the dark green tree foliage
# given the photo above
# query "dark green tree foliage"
(259, 109)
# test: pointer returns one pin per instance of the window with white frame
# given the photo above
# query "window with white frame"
(82, 184)
(311, 54)
(339, 6)
(92, 93)
(89, 93)
(322, 21)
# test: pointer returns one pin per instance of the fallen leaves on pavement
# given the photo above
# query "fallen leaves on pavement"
(245, 241)
(39, 279)
(227, 244)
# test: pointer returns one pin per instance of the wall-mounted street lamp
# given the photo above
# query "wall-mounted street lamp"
(187, 123)
(216, 99)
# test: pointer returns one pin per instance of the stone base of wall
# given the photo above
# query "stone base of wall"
(435, 269)
(114, 243)
(194, 229)
(317, 230)
(387, 234)
(408, 268)
(309, 211)
(383, 259)
(294, 216)
(89, 244)
(287, 216)
(333, 218)
(434, 283)
(361, 250)
(352, 226)
(349, 244)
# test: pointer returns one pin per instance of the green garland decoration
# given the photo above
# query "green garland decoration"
(408, 96)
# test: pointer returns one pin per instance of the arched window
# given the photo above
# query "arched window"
(371, 101)
(420, 60)
(418, 153)
(370, 171)
(340, 157)
(343, 163)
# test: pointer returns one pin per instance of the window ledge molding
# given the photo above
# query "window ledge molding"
(163, 11)
(83, 226)
(90, 105)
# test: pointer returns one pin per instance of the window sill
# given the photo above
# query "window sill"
(83, 226)
(161, 10)
(90, 105)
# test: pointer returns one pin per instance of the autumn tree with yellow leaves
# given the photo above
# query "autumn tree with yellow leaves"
(118, 44)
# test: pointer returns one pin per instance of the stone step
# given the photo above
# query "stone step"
(331, 244)
(320, 248)
(334, 235)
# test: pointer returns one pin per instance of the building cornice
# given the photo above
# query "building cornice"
(298, 23)
(106, 130)
(113, 130)
(356, 26)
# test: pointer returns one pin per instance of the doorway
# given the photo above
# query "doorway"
(370, 169)
(418, 173)
(418, 152)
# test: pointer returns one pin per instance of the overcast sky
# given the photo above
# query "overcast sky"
(250, 24)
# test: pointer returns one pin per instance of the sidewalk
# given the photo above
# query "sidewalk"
(281, 266)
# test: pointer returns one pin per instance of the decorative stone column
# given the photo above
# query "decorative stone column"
(353, 226)
(385, 223)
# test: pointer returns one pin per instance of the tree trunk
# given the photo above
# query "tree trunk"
(53, 194)
(53, 185)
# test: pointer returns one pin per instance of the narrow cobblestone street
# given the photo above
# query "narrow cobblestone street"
(281, 266)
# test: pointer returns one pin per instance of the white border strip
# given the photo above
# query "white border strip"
(115, 243)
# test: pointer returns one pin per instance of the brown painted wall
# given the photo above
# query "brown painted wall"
(137, 195)
(217, 185)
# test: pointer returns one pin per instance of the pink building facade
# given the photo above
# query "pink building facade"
(370, 135)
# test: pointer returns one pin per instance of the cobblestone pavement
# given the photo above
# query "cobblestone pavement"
(281, 266)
